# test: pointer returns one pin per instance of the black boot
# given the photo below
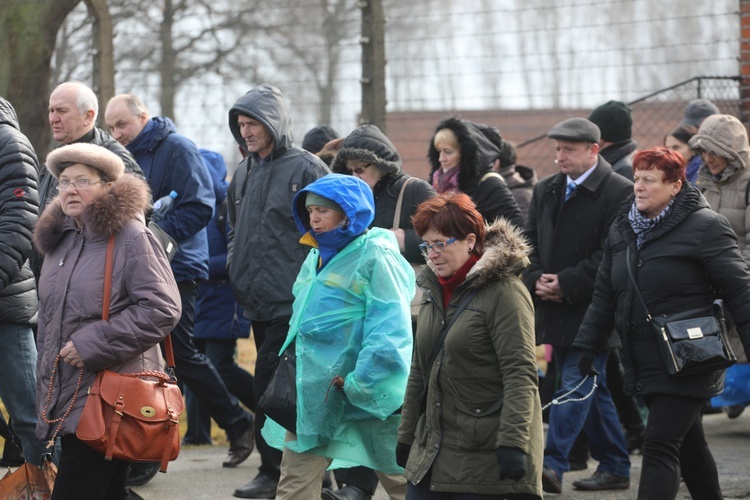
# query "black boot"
(140, 473)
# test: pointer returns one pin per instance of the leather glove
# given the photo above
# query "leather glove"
(513, 463)
(402, 453)
(586, 362)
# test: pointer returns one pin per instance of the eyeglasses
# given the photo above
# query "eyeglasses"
(438, 247)
(358, 170)
(82, 184)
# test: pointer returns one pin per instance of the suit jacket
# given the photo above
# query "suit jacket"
(567, 240)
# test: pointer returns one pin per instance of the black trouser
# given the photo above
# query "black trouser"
(83, 473)
(269, 337)
(674, 444)
(361, 477)
(196, 371)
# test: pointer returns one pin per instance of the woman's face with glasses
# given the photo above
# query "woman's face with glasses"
(365, 171)
(448, 255)
(78, 185)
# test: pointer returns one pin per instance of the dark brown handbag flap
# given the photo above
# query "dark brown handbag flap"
(141, 398)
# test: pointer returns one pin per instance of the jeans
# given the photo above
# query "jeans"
(674, 444)
(83, 473)
(596, 416)
(238, 381)
(269, 337)
(18, 386)
(196, 371)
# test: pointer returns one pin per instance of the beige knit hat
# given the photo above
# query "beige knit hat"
(91, 155)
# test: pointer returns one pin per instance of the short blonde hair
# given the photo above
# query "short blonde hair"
(446, 136)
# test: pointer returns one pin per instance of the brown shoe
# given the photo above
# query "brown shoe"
(551, 482)
(602, 481)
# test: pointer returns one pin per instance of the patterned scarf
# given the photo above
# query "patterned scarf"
(446, 181)
(642, 225)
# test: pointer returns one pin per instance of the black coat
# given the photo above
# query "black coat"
(689, 257)
(18, 214)
(368, 144)
(490, 193)
(567, 240)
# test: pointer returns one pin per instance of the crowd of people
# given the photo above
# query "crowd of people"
(415, 307)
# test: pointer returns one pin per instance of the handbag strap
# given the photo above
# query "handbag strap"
(108, 267)
(635, 285)
(444, 333)
(400, 202)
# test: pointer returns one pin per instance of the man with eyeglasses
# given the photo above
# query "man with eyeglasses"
(264, 254)
(569, 216)
(172, 162)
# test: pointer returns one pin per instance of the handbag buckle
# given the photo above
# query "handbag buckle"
(148, 411)
(695, 333)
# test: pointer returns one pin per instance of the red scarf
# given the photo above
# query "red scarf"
(450, 284)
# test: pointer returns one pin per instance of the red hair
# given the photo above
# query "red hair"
(451, 214)
(671, 163)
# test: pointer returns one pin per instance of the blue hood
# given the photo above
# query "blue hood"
(218, 170)
(353, 195)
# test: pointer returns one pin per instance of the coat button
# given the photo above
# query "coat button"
(478, 412)
(437, 405)
(437, 446)
(638, 387)
(639, 263)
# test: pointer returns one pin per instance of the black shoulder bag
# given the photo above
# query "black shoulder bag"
(689, 341)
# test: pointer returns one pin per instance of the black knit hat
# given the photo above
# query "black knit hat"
(317, 137)
(614, 120)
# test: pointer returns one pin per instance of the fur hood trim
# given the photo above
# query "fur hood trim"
(469, 138)
(128, 199)
(368, 144)
(506, 253)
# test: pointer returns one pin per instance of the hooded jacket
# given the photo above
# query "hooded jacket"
(351, 318)
(620, 156)
(476, 178)
(368, 144)
(217, 314)
(264, 254)
(144, 306)
(19, 170)
(727, 193)
(171, 162)
(688, 258)
(482, 391)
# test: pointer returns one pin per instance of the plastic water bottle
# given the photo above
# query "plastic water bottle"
(163, 205)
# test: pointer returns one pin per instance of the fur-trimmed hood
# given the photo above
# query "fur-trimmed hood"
(126, 200)
(368, 144)
(506, 253)
(477, 151)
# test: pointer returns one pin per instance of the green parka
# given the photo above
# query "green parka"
(482, 390)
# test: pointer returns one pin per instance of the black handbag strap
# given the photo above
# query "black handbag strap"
(635, 285)
(444, 333)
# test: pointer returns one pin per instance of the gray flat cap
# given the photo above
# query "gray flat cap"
(575, 130)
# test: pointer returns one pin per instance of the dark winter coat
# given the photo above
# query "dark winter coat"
(521, 181)
(19, 177)
(567, 240)
(482, 390)
(171, 162)
(48, 183)
(369, 144)
(486, 188)
(689, 257)
(144, 307)
(620, 156)
(217, 314)
(264, 254)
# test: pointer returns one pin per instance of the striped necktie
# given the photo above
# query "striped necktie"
(569, 190)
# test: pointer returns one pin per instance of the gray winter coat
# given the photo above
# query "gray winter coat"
(144, 307)
(19, 208)
(263, 253)
(726, 136)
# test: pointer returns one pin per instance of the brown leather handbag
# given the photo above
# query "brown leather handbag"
(133, 416)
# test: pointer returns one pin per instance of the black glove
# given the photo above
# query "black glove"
(402, 453)
(513, 463)
(586, 362)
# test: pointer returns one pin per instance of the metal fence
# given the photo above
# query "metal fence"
(654, 116)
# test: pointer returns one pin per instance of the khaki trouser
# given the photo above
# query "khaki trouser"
(302, 477)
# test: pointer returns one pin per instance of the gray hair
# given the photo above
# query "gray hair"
(85, 98)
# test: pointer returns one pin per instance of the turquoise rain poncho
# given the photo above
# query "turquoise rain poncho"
(350, 318)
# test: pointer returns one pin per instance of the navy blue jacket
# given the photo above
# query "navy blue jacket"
(217, 314)
(171, 161)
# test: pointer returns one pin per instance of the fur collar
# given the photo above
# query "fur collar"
(506, 252)
(128, 199)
